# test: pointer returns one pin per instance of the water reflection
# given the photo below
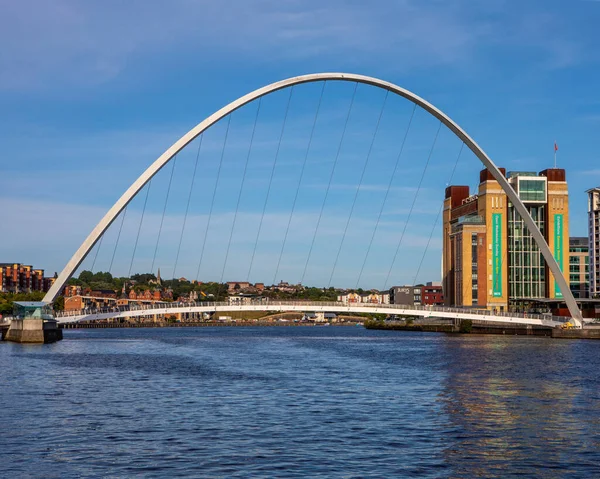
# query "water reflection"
(516, 404)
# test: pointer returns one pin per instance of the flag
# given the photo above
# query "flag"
(555, 147)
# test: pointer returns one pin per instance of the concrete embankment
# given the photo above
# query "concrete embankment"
(589, 332)
(401, 326)
(465, 327)
(32, 331)
(483, 327)
(196, 324)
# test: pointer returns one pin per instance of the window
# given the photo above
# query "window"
(532, 190)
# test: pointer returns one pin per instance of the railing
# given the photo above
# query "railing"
(307, 306)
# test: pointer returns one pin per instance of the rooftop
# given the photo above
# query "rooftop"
(31, 304)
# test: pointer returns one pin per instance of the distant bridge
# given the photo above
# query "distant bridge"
(137, 311)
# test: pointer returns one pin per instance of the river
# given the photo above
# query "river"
(299, 402)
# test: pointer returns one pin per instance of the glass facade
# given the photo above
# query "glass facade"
(527, 272)
(532, 189)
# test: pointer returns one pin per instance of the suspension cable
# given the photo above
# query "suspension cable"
(139, 230)
(312, 244)
(118, 238)
(310, 139)
(437, 218)
(97, 251)
(162, 219)
(239, 198)
(412, 206)
(387, 191)
(362, 175)
(287, 109)
(187, 208)
(212, 203)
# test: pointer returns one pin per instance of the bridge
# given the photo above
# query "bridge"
(95, 239)
(151, 310)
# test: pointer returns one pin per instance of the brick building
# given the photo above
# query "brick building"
(433, 294)
(21, 278)
(490, 259)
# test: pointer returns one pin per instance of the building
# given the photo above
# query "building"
(286, 287)
(594, 240)
(21, 278)
(237, 286)
(490, 259)
(152, 295)
(80, 302)
(102, 293)
(349, 298)
(372, 297)
(407, 295)
(72, 290)
(145, 295)
(433, 294)
(375, 297)
(579, 276)
(244, 298)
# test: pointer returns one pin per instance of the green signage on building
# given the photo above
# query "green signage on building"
(497, 255)
(558, 249)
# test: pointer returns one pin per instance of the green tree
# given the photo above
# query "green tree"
(59, 303)
(466, 325)
(86, 277)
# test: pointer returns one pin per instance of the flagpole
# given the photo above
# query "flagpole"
(555, 154)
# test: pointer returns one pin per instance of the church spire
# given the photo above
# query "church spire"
(158, 278)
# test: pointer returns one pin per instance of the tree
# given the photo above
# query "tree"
(466, 325)
(86, 276)
(59, 303)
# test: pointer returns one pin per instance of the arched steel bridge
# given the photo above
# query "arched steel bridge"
(170, 153)
(161, 309)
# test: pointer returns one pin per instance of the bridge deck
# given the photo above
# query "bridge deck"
(305, 306)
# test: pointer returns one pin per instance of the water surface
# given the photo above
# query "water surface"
(291, 402)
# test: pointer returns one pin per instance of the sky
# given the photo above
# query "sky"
(91, 93)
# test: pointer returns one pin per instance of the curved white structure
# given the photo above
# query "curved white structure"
(112, 214)
(516, 319)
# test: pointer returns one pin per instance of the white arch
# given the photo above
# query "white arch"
(162, 160)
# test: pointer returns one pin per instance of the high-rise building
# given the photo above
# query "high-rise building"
(490, 259)
(594, 240)
(579, 259)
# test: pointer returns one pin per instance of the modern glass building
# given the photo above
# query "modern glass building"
(526, 266)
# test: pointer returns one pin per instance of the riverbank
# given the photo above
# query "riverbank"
(199, 324)
(460, 327)
(481, 327)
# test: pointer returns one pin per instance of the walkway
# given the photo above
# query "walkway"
(136, 311)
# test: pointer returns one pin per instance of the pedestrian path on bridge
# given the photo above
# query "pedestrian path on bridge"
(138, 311)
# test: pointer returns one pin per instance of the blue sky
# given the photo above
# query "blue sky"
(92, 92)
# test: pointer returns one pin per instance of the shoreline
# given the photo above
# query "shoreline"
(199, 324)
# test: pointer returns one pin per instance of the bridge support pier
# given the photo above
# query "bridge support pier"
(33, 331)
